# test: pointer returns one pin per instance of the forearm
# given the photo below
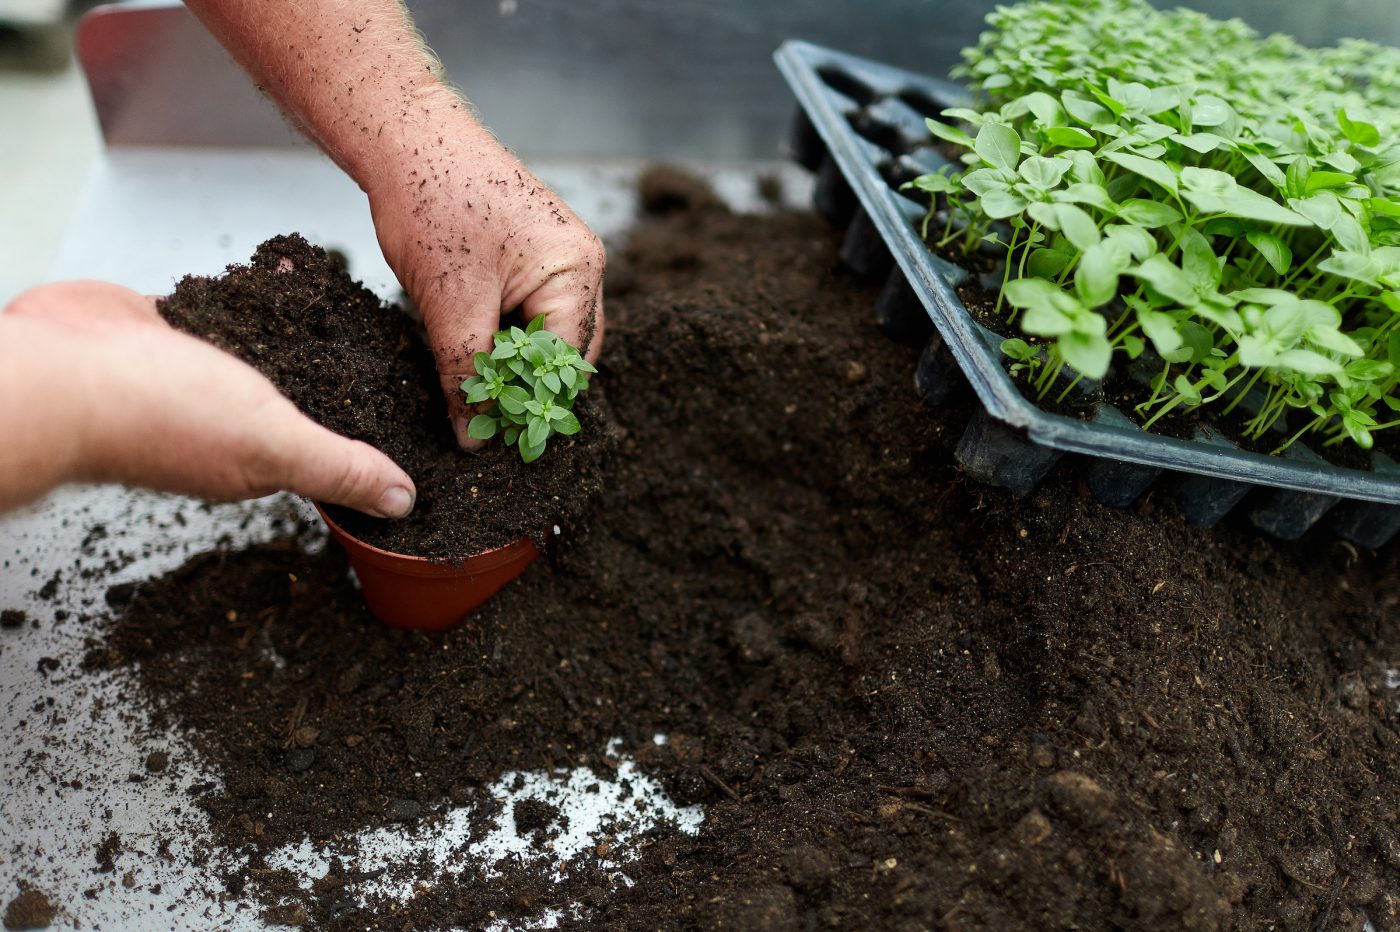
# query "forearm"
(353, 73)
(43, 420)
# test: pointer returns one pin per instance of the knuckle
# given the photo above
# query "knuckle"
(354, 476)
(259, 470)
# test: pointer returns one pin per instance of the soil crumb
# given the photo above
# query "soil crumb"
(534, 816)
(30, 910)
(13, 618)
(361, 368)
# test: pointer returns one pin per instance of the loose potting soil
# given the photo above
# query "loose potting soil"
(360, 368)
(905, 700)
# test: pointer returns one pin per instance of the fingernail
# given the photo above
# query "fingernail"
(395, 503)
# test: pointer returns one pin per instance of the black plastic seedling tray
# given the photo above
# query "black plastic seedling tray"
(860, 128)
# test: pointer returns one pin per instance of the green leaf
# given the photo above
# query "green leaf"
(536, 323)
(1168, 279)
(1029, 292)
(1096, 278)
(1088, 354)
(1156, 172)
(1189, 393)
(511, 435)
(1083, 192)
(1160, 329)
(1299, 171)
(482, 427)
(1079, 228)
(1308, 362)
(1000, 205)
(1363, 134)
(1018, 349)
(1207, 180)
(1199, 261)
(1274, 250)
(567, 425)
(1201, 142)
(949, 133)
(1321, 181)
(999, 146)
(1322, 210)
(1266, 167)
(1148, 214)
(1069, 137)
(1044, 173)
(529, 452)
(1329, 338)
(1247, 204)
(537, 431)
(1046, 108)
(513, 399)
(1209, 110)
(476, 394)
(1048, 263)
(1085, 110)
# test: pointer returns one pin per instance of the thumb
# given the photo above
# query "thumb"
(306, 458)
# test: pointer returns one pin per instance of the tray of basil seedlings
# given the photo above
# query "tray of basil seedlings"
(1180, 241)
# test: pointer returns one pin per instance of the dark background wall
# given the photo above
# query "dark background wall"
(694, 76)
(640, 78)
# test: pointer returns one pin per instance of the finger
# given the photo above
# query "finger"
(304, 457)
(85, 303)
(572, 300)
(455, 338)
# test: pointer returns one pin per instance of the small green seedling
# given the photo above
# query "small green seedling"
(1160, 180)
(534, 377)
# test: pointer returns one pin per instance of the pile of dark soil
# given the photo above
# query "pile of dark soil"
(362, 369)
(905, 700)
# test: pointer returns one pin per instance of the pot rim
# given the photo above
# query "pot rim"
(409, 565)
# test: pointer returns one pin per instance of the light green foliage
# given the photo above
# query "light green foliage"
(1167, 180)
(533, 377)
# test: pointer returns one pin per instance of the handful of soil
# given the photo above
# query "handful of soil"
(361, 368)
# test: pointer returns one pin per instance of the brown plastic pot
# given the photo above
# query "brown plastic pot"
(418, 594)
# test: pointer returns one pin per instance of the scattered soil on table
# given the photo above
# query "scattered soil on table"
(904, 700)
(30, 910)
(361, 368)
(13, 618)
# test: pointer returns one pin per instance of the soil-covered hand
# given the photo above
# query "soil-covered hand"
(98, 388)
(472, 234)
(468, 230)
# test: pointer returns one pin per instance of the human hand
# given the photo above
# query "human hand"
(137, 402)
(472, 234)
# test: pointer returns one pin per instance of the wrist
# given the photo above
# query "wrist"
(422, 146)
